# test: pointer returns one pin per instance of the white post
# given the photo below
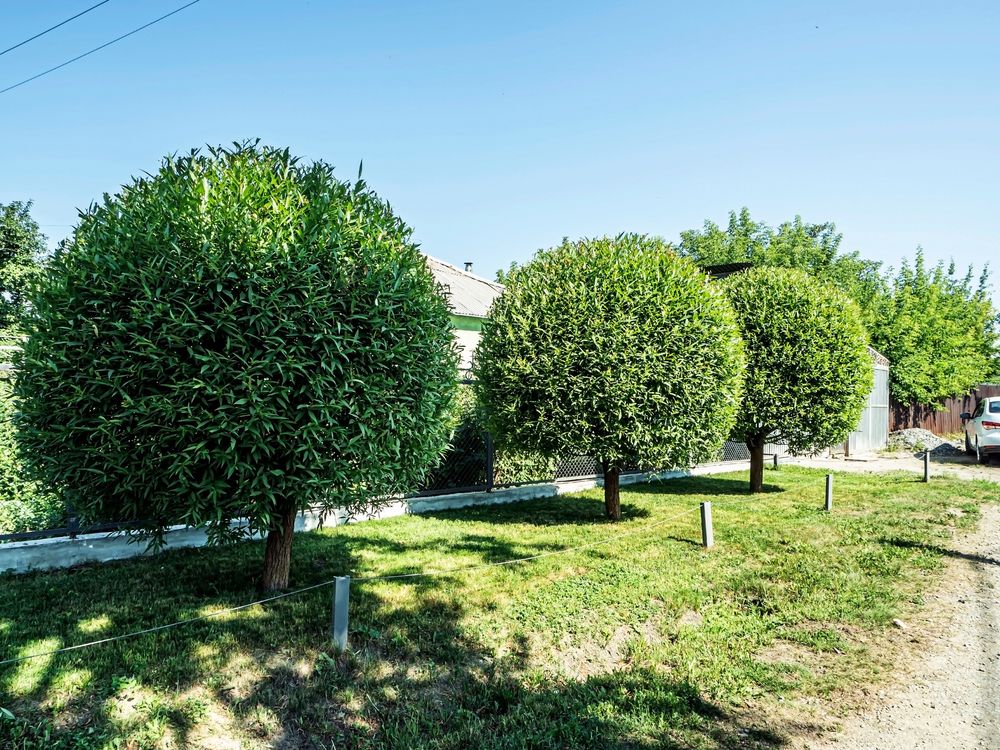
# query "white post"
(707, 535)
(829, 492)
(341, 594)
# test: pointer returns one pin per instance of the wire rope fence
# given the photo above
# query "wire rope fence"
(340, 613)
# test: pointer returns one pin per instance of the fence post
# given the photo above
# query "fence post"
(341, 594)
(927, 465)
(707, 534)
(489, 462)
(72, 520)
(829, 492)
(775, 457)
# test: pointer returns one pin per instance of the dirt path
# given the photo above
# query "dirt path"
(964, 467)
(950, 698)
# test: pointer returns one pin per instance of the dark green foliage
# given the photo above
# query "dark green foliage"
(236, 335)
(22, 246)
(465, 462)
(24, 504)
(813, 248)
(615, 348)
(808, 369)
(939, 332)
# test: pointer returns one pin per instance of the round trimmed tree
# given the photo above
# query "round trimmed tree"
(238, 336)
(615, 348)
(808, 369)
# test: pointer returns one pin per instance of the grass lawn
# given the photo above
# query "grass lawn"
(647, 642)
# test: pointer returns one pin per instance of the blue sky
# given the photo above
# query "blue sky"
(496, 129)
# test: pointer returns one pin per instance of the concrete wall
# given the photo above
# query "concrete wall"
(63, 552)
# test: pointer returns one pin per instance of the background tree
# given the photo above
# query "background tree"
(813, 248)
(938, 330)
(808, 370)
(615, 348)
(22, 247)
(238, 335)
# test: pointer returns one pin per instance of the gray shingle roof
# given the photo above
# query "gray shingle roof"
(467, 293)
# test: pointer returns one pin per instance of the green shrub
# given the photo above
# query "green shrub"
(615, 348)
(808, 369)
(238, 335)
(24, 504)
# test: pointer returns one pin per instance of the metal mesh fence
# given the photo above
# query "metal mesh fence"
(466, 466)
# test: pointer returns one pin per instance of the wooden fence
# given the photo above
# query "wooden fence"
(941, 421)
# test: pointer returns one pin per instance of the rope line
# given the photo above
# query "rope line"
(323, 584)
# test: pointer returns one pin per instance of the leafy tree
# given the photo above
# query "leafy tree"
(813, 248)
(615, 348)
(938, 331)
(808, 369)
(503, 274)
(240, 335)
(22, 246)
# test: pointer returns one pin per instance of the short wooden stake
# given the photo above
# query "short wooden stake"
(776, 462)
(341, 594)
(927, 466)
(707, 536)
(829, 492)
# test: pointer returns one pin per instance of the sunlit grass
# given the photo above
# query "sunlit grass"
(649, 641)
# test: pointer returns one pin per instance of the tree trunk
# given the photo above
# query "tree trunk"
(278, 552)
(756, 446)
(612, 497)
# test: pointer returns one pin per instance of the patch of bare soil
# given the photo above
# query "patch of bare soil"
(591, 658)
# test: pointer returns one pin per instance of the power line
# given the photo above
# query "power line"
(53, 28)
(97, 49)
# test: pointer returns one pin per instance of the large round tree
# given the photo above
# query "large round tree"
(615, 348)
(240, 335)
(808, 368)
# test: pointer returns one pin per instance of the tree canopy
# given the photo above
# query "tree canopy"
(813, 248)
(808, 370)
(613, 347)
(22, 246)
(938, 330)
(239, 335)
(936, 326)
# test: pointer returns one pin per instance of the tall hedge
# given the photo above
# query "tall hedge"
(808, 369)
(612, 347)
(240, 334)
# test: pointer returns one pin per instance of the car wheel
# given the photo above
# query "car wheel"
(981, 456)
(969, 450)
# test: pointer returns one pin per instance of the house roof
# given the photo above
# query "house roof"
(467, 294)
(878, 358)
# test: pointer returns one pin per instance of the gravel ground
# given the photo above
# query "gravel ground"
(915, 439)
(950, 698)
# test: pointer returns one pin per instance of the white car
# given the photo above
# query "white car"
(982, 429)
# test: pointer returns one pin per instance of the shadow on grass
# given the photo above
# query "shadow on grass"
(549, 511)
(704, 485)
(908, 544)
(415, 676)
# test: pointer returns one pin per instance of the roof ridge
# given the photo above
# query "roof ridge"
(471, 275)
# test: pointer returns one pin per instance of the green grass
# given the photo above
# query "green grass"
(647, 642)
